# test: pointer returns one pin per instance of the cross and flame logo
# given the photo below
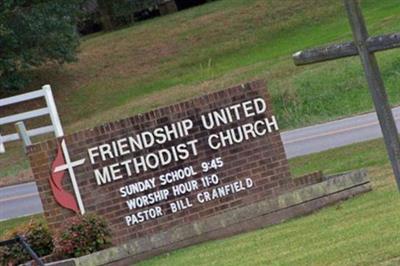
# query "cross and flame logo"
(62, 163)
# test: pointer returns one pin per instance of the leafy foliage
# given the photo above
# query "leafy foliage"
(32, 33)
(36, 234)
(82, 235)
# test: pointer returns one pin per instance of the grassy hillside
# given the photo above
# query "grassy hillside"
(210, 47)
(361, 231)
(223, 43)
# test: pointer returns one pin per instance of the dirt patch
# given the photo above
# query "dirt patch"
(391, 262)
(163, 98)
(22, 177)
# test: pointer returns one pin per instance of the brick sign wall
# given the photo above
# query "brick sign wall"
(174, 165)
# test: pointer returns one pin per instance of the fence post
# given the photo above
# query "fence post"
(2, 148)
(26, 246)
(48, 95)
(23, 134)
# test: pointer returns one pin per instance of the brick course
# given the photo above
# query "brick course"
(263, 159)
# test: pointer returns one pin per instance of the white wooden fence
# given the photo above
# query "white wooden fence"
(22, 133)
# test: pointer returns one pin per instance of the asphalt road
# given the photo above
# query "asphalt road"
(22, 200)
(19, 200)
(334, 134)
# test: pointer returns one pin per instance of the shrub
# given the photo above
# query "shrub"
(82, 235)
(36, 234)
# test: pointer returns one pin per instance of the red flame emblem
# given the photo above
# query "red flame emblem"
(63, 197)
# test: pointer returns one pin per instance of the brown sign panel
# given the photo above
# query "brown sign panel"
(168, 167)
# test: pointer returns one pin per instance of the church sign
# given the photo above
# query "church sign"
(170, 168)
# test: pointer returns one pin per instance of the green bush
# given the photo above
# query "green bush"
(37, 235)
(82, 235)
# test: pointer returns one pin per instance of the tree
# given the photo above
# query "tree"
(35, 32)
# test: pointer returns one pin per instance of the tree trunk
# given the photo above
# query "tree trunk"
(106, 14)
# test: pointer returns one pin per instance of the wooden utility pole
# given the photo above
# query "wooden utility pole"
(365, 47)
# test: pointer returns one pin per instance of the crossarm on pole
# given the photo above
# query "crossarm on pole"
(335, 51)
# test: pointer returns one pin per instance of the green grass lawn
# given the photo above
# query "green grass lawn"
(364, 230)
